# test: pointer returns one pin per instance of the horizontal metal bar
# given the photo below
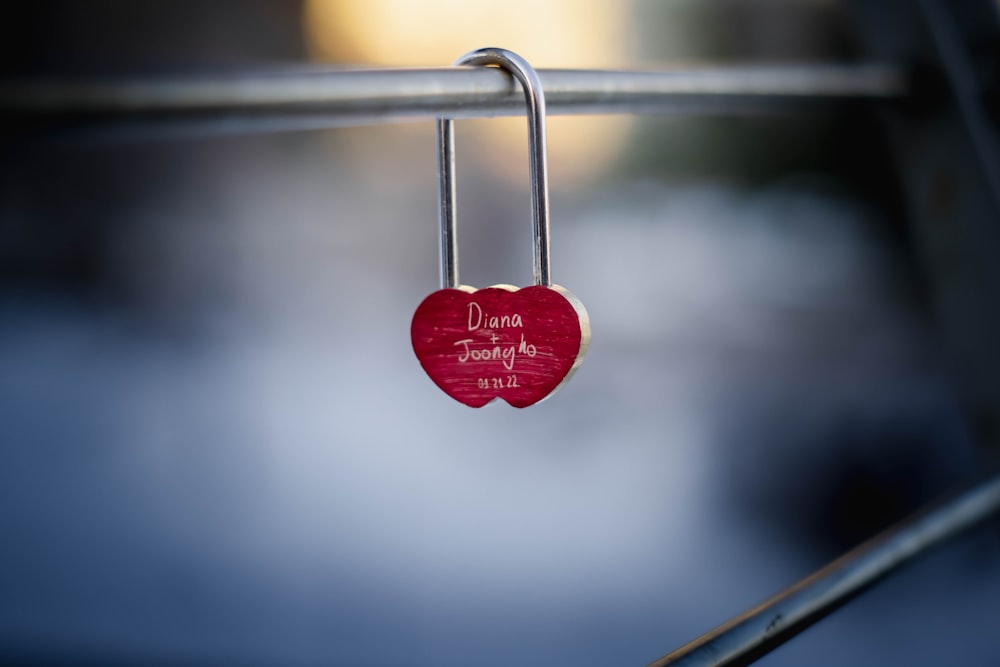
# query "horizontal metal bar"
(768, 625)
(353, 96)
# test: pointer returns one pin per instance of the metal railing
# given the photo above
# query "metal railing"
(763, 628)
(319, 98)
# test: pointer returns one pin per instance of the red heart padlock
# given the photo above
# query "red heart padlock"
(500, 342)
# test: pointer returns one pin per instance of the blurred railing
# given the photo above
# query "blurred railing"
(318, 98)
(743, 639)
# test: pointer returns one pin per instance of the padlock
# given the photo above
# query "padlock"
(519, 345)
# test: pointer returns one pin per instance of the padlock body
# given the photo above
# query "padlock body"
(519, 345)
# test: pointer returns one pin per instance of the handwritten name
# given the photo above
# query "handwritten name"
(506, 355)
(478, 319)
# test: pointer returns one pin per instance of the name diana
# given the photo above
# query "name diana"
(479, 319)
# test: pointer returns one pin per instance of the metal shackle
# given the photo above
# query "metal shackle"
(535, 98)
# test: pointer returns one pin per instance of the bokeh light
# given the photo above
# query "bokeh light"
(562, 33)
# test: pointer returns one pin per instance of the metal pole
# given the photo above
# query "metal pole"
(758, 631)
(327, 97)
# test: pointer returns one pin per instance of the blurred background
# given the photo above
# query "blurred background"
(217, 447)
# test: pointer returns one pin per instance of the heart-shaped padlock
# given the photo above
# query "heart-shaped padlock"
(500, 342)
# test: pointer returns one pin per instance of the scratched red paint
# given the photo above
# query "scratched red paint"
(500, 342)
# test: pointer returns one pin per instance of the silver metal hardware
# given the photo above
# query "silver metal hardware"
(535, 98)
